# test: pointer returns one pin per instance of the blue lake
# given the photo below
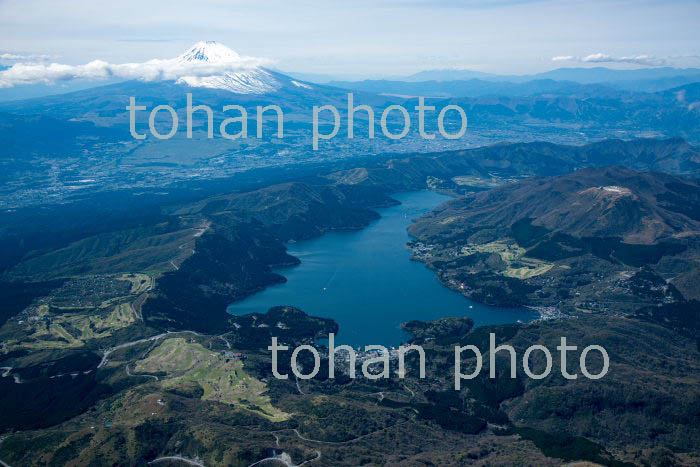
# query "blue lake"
(366, 282)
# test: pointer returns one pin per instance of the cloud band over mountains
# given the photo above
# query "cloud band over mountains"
(153, 70)
(16, 57)
(646, 60)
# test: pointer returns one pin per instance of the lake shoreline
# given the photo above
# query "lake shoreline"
(367, 281)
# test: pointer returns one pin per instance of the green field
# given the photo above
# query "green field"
(51, 331)
(222, 378)
(480, 182)
(519, 266)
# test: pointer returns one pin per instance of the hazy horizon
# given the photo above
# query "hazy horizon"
(369, 39)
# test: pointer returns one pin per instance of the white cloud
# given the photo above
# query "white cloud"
(596, 58)
(600, 57)
(15, 57)
(151, 70)
(635, 59)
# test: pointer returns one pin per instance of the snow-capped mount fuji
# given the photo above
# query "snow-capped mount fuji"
(210, 52)
(240, 75)
(214, 74)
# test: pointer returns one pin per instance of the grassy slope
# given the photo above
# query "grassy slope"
(222, 378)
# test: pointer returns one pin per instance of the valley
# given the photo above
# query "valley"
(130, 336)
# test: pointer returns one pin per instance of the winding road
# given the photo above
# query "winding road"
(6, 373)
(283, 458)
(228, 344)
(128, 373)
(298, 387)
(108, 352)
(177, 458)
(286, 460)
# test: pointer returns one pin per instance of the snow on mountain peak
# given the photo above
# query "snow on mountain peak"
(210, 52)
(241, 75)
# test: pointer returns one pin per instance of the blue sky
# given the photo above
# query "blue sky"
(371, 38)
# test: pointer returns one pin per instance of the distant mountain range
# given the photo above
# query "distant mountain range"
(438, 82)
(479, 88)
(66, 145)
(579, 75)
(587, 82)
